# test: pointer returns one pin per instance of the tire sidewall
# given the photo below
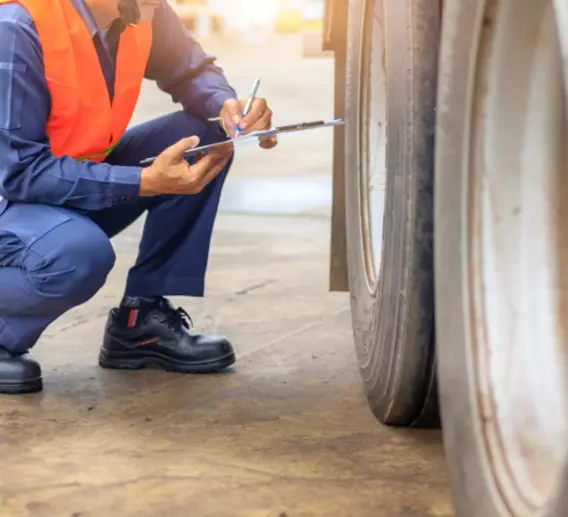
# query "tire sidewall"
(363, 297)
(474, 489)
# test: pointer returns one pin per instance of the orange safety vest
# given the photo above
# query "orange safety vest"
(83, 123)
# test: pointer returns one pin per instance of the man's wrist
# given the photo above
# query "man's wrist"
(147, 181)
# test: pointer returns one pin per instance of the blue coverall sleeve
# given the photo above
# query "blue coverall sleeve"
(182, 69)
(29, 172)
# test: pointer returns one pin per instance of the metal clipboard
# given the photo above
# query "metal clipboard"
(290, 128)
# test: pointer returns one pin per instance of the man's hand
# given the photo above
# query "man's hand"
(259, 117)
(171, 174)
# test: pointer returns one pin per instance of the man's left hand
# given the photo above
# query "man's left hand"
(258, 118)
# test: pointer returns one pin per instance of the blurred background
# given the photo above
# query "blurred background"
(255, 20)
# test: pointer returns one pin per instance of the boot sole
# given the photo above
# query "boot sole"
(120, 362)
(20, 387)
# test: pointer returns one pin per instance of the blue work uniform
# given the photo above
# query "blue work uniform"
(57, 215)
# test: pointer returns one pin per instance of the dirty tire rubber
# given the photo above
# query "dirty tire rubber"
(392, 303)
(495, 135)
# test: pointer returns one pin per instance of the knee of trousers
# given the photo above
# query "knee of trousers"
(75, 267)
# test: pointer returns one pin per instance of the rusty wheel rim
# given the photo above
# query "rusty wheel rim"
(518, 246)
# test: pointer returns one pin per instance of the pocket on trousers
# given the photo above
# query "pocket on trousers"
(11, 106)
(29, 223)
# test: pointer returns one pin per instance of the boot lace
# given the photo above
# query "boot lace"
(174, 319)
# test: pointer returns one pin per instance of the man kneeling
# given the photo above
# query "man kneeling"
(70, 179)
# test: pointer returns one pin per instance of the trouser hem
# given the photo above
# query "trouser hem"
(185, 286)
(9, 341)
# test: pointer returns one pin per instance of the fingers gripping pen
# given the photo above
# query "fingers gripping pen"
(248, 105)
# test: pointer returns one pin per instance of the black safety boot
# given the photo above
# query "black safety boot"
(150, 332)
(19, 373)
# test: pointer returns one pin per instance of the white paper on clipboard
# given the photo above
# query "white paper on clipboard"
(257, 135)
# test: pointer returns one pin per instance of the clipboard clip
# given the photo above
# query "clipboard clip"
(302, 126)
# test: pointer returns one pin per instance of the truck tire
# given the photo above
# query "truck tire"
(392, 45)
(501, 252)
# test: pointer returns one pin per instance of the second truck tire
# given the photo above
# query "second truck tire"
(501, 254)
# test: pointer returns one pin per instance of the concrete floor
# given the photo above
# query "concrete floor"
(286, 432)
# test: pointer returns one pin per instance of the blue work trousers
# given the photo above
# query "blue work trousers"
(54, 258)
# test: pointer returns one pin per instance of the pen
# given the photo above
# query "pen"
(248, 105)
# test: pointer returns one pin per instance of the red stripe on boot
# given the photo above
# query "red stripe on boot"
(132, 317)
(147, 342)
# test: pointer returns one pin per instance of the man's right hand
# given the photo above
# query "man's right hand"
(171, 174)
